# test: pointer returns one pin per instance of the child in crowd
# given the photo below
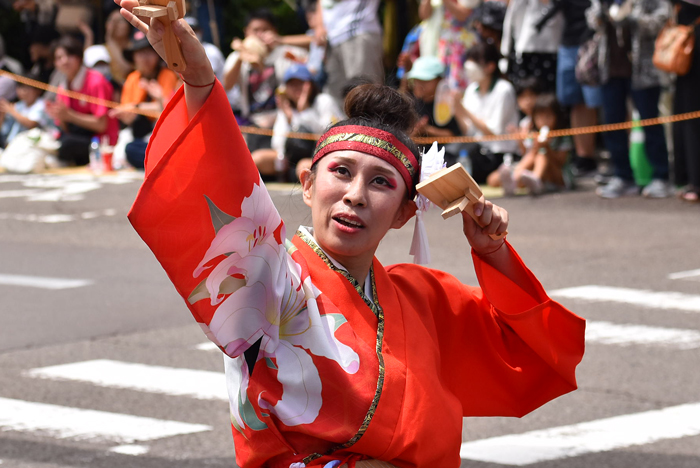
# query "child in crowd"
(425, 78)
(545, 165)
(27, 113)
(526, 93)
(300, 108)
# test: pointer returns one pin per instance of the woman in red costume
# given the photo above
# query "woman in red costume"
(331, 357)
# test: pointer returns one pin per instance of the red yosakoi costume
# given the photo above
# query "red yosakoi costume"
(319, 366)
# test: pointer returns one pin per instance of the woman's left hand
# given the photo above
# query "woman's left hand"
(492, 219)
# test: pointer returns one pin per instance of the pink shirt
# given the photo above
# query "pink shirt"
(95, 85)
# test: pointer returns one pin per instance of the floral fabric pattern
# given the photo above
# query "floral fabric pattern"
(262, 295)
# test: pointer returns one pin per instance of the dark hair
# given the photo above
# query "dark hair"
(30, 75)
(71, 45)
(483, 52)
(548, 102)
(262, 14)
(384, 108)
(531, 83)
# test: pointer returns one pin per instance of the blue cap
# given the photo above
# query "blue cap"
(426, 69)
(297, 71)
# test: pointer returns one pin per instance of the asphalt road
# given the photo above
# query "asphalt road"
(78, 285)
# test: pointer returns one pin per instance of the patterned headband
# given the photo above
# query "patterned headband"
(379, 143)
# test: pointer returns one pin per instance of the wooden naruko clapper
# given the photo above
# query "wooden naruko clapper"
(454, 190)
(167, 11)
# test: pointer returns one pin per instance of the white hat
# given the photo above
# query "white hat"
(94, 54)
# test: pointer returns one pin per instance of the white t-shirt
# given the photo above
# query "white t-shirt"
(345, 19)
(498, 109)
(238, 94)
(315, 119)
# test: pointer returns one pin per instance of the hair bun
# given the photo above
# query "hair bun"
(381, 104)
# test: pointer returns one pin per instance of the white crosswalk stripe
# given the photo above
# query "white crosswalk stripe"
(64, 422)
(638, 297)
(204, 385)
(689, 275)
(626, 335)
(594, 436)
(42, 282)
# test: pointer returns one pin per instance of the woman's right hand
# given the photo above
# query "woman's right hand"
(199, 70)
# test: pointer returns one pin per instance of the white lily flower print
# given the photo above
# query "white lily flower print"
(260, 296)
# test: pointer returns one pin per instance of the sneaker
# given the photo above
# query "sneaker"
(616, 188)
(657, 188)
(506, 174)
(532, 182)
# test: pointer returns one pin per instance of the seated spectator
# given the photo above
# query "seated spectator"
(300, 108)
(79, 121)
(8, 64)
(254, 70)
(488, 107)
(41, 53)
(545, 165)
(526, 93)
(27, 113)
(148, 88)
(97, 57)
(425, 77)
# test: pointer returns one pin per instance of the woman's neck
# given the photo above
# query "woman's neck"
(485, 84)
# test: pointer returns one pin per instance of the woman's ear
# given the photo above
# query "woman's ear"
(307, 181)
(406, 212)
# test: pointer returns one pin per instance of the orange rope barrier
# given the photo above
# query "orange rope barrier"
(74, 94)
(419, 140)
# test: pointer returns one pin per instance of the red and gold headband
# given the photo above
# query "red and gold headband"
(379, 143)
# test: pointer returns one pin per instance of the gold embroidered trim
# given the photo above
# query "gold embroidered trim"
(369, 140)
(379, 312)
(360, 290)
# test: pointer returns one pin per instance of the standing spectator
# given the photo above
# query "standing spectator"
(686, 142)
(147, 88)
(628, 47)
(354, 36)
(8, 64)
(489, 107)
(531, 51)
(583, 101)
(253, 71)
(455, 36)
(488, 21)
(79, 121)
(300, 108)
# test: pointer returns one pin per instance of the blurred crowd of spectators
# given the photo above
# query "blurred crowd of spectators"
(474, 67)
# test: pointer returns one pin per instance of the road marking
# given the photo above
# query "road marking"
(690, 274)
(594, 436)
(639, 297)
(43, 282)
(625, 335)
(130, 449)
(18, 193)
(203, 385)
(63, 422)
(57, 218)
(208, 346)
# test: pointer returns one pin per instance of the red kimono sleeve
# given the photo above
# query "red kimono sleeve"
(505, 349)
(190, 165)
